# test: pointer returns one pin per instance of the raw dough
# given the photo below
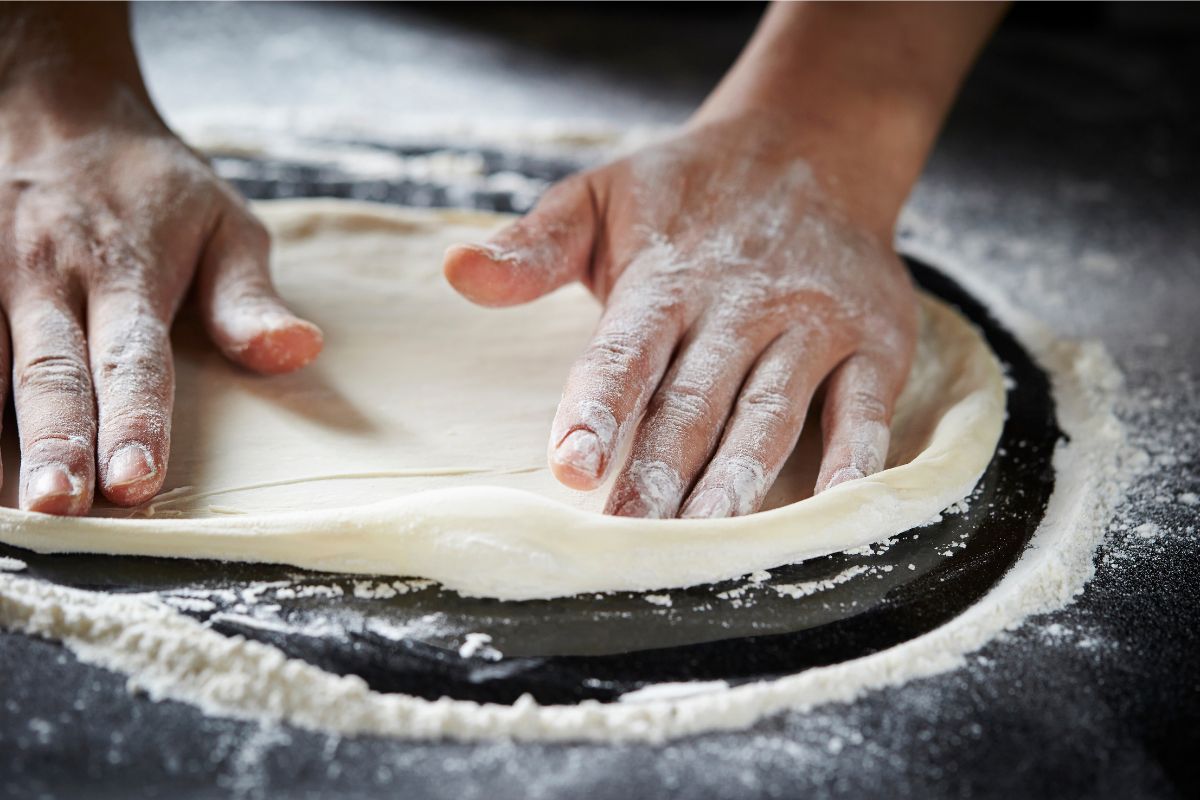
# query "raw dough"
(416, 445)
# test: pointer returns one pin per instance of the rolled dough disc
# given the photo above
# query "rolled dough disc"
(416, 445)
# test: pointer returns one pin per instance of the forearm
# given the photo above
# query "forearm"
(68, 70)
(39, 40)
(869, 83)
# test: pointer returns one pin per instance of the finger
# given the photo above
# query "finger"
(52, 390)
(5, 374)
(682, 425)
(763, 430)
(134, 379)
(609, 385)
(547, 248)
(245, 316)
(856, 418)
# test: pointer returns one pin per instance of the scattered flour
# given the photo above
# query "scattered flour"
(423, 627)
(386, 590)
(171, 656)
(1148, 530)
(11, 564)
(798, 590)
(316, 590)
(42, 729)
(194, 604)
(961, 507)
(479, 644)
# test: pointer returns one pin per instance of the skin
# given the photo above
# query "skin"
(743, 263)
(106, 220)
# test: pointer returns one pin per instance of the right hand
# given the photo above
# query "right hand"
(105, 220)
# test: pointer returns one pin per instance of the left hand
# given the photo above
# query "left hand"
(738, 275)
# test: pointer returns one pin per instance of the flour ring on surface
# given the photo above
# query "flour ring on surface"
(416, 445)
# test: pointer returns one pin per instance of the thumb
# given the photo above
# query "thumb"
(547, 248)
(244, 315)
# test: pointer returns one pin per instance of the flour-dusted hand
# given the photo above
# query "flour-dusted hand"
(734, 284)
(746, 263)
(105, 219)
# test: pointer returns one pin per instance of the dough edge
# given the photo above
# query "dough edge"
(515, 545)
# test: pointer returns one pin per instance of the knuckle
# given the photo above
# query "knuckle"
(148, 424)
(119, 363)
(866, 404)
(616, 351)
(672, 309)
(53, 373)
(58, 445)
(684, 403)
(38, 253)
(44, 441)
(770, 405)
(135, 351)
(123, 263)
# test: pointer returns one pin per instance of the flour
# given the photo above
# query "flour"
(479, 645)
(423, 627)
(170, 656)
(271, 131)
(195, 605)
(798, 590)
(658, 692)
(378, 590)
(298, 688)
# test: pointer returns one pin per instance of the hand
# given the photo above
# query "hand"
(737, 277)
(105, 218)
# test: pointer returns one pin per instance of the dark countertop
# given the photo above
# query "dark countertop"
(1067, 175)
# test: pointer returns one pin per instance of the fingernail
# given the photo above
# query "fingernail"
(581, 451)
(52, 480)
(711, 503)
(634, 508)
(654, 491)
(130, 464)
(845, 474)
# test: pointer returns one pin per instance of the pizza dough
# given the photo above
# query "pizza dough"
(416, 444)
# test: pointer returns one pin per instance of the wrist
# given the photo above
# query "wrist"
(859, 89)
(66, 72)
(45, 46)
(865, 144)
(864, 164)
